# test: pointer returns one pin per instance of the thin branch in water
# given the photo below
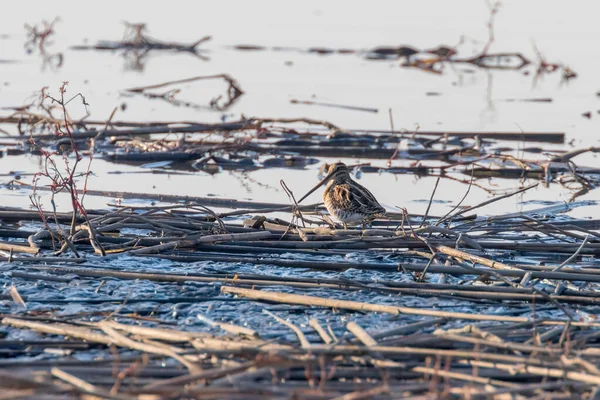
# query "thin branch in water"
(568, 260)
(430, 201)
(495, 199)
(445, 217)
(295, 209)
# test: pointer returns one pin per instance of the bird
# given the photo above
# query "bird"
(346, 200)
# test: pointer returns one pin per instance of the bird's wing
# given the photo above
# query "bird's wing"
(357, 198)
(369, 202)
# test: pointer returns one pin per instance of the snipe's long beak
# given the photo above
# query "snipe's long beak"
(318, 185)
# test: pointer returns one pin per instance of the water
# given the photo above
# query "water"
(470, 98)
(81, 296)
(467, 98)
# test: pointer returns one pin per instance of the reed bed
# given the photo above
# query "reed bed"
(218, 298)
(305, 338)
(181, 297)
(428, 359)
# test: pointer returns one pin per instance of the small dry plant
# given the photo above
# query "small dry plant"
(60, 172)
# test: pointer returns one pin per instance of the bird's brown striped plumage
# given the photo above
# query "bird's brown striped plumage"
(346, 200)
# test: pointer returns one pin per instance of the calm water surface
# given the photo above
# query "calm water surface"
(469, 98)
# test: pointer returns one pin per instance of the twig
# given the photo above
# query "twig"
(430, 201)
(447, 216)
(572, 257)
(303, 341)
(313, 323)
(361, 306)
(361, 334)
(485, 203)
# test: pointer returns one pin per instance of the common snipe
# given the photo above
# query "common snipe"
(346, 200)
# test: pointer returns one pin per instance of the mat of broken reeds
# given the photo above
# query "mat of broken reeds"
(187, 302)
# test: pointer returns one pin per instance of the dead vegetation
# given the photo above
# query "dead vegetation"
(425, 352)
(488, 262)
(218, 103)
(474, 305)
(252, 143)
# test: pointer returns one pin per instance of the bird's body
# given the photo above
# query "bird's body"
(347, 201)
